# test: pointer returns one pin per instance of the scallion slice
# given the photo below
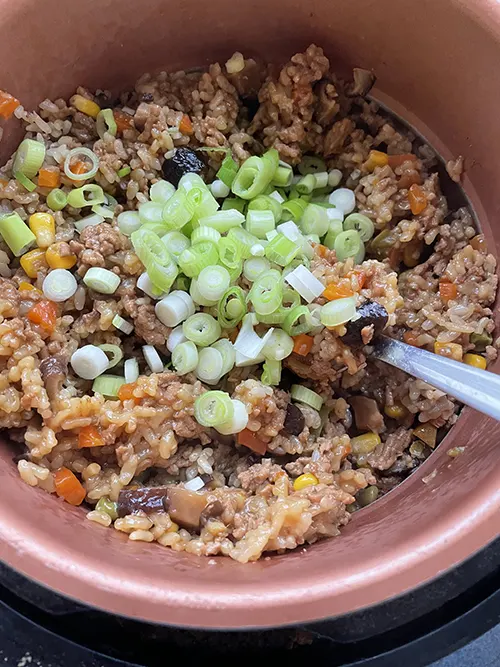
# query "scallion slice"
(205, 233)
(103, 211)
(24, 181)
(314, 220)
(175, 338)
(271, 372)
(174, 308)
(213, 408)
(279, 346)
(108, 385)
(228, 170)
(76, 154)
(281, 250)
(283, 176)
(210, 364)
(88, 221)
(89, 362)
(232, 307)
(59, 285)
(178, 210)
(87, 195)
(266, 293)
(259, 223)
(119, 323)
(255, 174)
(249, 343)
(151, 213)
(255, 267)
(161, 191)
(124, 171)
(144, 283)
(362, 224)
(131, 370)
(244, 241)
(293, 209)
(202, 329)
(306, 184)
(307, 396)
(338, 311)
(197, 297)
(16, 234)
(238, 421)
(160, 266)
(223, 221)
(176, 243)
(197, 257)
(152, 358)
(305, 283)
(101, 280)
(298, 321)
(234, 204)
(226, 349)
(57, 199)
(113, 352)
(185, 357)
(213, 281)
(29, 158)
(348, 244)
(266, 203)
(105, 123)
(219, 189)
(335, 228)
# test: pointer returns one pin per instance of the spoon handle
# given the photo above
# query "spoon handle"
(477, 388)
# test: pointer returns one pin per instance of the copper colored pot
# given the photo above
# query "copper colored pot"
(436, 64)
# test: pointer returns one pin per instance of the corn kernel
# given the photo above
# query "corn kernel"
(43, 227)
(302, 481)
(376, 159)
(450, 350)
(85, 105)
(56, 260)
(32, 262)
(366, 443)
(475, 360)
(396, 411)
(173, 528)
(28, 287)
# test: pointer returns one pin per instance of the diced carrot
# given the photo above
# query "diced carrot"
(123, 120)
(417, 199)
(398, 160)
(321, 250)
(376, 159)
(447, 291)
(249, 439)
(44, 313)
(126, 392)
(68, 487)
(186, 126)
(302, 344)
(411, 337)
(338, 290)
(49, 178)
(8, 104)
(89, 436)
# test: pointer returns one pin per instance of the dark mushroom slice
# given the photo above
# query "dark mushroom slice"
(363, 81)
(213, 510)
(184, 506)
(53, 371)
(144, 499)
(366, 414)
(370, 314)
(294, 420)
(184, 161)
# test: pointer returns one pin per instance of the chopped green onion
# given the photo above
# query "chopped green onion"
(128, 222)
(283, 176)
(306, 396)
(144, 283)
(279, 346)
(202, 329)
(298, 321)
(255, 174)
(24, 181)
(122, 324)
(311, 165)
(306, 184)
(314, 220)
(223, 221)
(178, 210)
(16, 234)
(107, 506)
(95, 195)
(197, 257)
(226, 349)
(160, 266)
(362, 224)
(182, 283)
(343, 199)
(101, 280)
(161, 191)
(334, 177)
(321, 180)
(293, 209)
(213, 281)
(59, 285)
(335, 228)
(238, 421)
(348, 244)
(213, 408)
(243, 240)
(152, 358)
(267, 292)
(338, 311)
(174, 308)
(57, 199)
(185, 357)
(124, 171)
(113, 352)
(228, 170)
(103, 211)
(254, 267)
(77, 153)
(209, 367)
(205, 204)
(234, 203)
(108, 385)
(281, 250)
(197, 297)
(277, 317)
(176, 243)
(235, 273)
(88, 221)
(259, 223)
(175, 338)
(305, 283)
(231, 307)
(105, 123)
(248, 343)
(266, 203)
(219, 189)
(29, 158)
(151, 214)
(205, 233)
(258, 249)
(315, 310)
(89, 362)
(271, 372)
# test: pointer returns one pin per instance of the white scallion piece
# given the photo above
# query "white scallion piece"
(101, 280)
(270, 235)
(210, 364)
(276, 195)
(305, 283)
(59, 285)
(248, 343)
(161, 191)
(213, 281)
(226, 348)
(293, 233)
(338, 311)
(122, 324)
(197, 296)
(128, 222)
(89, 362)
(219, 189)
(343, 199)
(334, 214)
(175, 338)
(145, 285)
(174, 308)
(321, 179)
(194, 484)
(153, 359)
(279, 346)
(88, 221)
(254, 267)
(315, 310)
(334, 177)
(257, 250)
(238, 421)
(131, 370)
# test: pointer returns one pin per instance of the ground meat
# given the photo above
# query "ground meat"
(337, 136)
(97, 242)
(385, 454)
(147, 325)
(259, 474)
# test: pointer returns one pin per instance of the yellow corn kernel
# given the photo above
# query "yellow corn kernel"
(376, 159)
(475, 360)
(427, 433)
(33, 261)
(396, 411)
(56, 260)
(173, 528)
(85, 105)
(28, 287)
(307, 479)
(450, 350)
(366, 443)
(43, 227)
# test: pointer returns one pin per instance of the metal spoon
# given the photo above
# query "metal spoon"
(472, 386)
